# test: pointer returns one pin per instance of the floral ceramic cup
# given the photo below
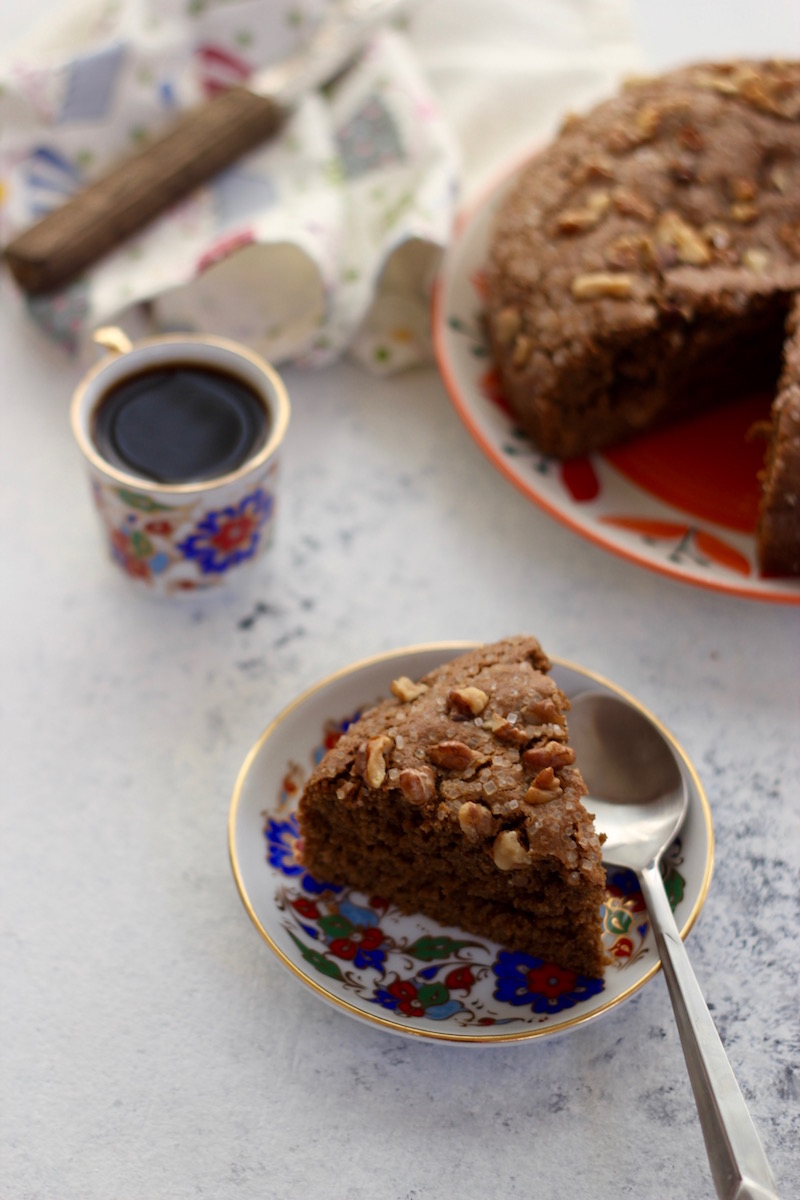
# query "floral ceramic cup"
(170, 533)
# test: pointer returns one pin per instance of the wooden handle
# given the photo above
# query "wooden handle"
(53, 252)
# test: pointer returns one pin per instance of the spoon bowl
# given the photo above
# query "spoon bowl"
(638, 793)
(639, 798)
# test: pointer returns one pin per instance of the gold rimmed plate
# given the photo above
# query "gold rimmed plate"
(408, 974)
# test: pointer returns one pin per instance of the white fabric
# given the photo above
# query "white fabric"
(327, 238)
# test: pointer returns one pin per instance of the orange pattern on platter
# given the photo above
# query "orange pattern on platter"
(705, 544)
(706, 464)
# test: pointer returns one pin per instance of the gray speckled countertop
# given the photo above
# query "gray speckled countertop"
(150, 1044)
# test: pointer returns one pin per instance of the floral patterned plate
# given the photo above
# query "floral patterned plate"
(408, 974)
(661, 501)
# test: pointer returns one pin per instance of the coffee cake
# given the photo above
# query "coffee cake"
(644, 264)
(459, 797)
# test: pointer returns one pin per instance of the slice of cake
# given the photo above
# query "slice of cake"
(459, 797)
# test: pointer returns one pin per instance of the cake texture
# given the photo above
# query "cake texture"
(459, 797)
(644, 265)
(779, 515)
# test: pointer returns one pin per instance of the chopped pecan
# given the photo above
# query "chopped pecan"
(630, 204)
(744, 212)
(576, 220)
(545, 711)
(406, 689)
(508, 852)
(545, 787)
(598, 284)
(756, 259)
(688, 242)
(375, 759)
(770, 92)
(551, 754)
(453, 756)
(631, 251)
(717, 83)
(596, 166)
(467, 701)
(579, 219)
(476, 820)
(774, 92)
(417, 784)
(511, 734)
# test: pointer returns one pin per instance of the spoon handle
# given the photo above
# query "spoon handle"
(738, 1163)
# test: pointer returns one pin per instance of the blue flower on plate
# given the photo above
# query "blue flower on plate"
(547, 988)
(281, 836)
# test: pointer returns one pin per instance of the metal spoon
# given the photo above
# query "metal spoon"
(638, 794)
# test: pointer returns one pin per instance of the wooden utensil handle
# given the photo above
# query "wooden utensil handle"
(205, 140)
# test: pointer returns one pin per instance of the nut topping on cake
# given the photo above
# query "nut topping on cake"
(688, 243)
(756, 259)
(476, 820)
(595, 285)
(417, 784)
(545, 710)
(630, 204)
(744, 212)
(406, 690)
(467, 701)
(508, 852)
(375, 760)
(577, 220)
(545, 787)
(453, 756)
(512, 734)
(551, 754)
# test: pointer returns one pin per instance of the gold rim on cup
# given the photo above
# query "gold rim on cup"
(118, 344)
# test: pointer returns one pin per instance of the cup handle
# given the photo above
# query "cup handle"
(112, 339)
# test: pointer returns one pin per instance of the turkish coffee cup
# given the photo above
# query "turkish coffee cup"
(181, 436)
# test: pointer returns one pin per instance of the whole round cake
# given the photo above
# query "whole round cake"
(647, 264)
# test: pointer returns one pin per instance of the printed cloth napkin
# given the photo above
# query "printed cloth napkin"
(327, 238)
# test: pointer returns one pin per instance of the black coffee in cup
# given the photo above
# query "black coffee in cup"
(180, 423)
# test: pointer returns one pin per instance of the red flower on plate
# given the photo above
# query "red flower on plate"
(550, 981)
(407, 998)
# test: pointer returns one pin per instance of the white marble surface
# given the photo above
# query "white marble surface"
(150, 1045)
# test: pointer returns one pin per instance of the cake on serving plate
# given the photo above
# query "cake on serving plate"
(644, 264)
(459, 797)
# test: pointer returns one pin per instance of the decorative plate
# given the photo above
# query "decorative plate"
(409, 974)
(661, 501)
